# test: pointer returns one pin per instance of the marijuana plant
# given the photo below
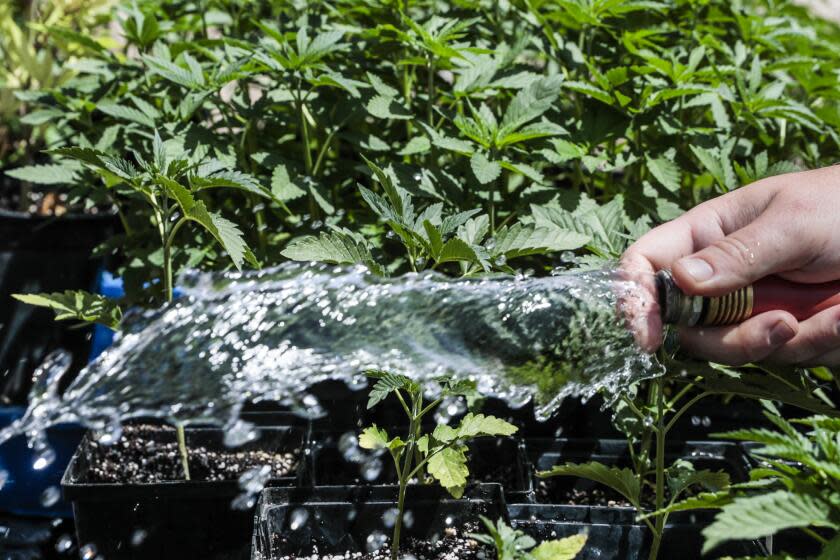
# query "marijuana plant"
(442, 453)
(513, 544)
(796, 485)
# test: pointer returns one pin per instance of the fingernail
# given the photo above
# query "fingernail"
(698, 269)
(780, 333)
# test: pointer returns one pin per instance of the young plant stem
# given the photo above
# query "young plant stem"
(430, 102)
(182, 448)
(660, 467)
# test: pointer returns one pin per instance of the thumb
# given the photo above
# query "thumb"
(737, 260)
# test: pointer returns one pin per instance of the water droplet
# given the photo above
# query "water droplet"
(390, 234)
(43, 458)
(408, 519)
(648, 421)
(371, 469)
(4, 478)
(63, 544)
(375, 541)
(501, 260)
(240, 433)
(420, 262)
(50, 496)
(348, 446)
(138, 537)
(389, 518)
(298, 518)
(490, 244)
(568, 257)
(87, 552)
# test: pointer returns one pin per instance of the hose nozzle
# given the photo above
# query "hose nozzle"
(679, 308)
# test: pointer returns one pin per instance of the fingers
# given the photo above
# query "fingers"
(757, 250)
(817, 342)
(638, 300)
(751, 341)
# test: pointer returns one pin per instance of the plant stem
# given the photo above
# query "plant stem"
(395, 541)
(660, 467)
(430, 111)
(182, 447)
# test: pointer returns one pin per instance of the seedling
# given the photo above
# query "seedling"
(442, 453)
(513, 544)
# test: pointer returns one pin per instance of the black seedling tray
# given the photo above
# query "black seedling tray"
(545, 453)
(340, 519)
(615, 541)
(489, 456)
(180, 519)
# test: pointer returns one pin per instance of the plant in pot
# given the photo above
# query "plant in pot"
(441, 453)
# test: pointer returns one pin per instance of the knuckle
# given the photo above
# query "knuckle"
(734, 251)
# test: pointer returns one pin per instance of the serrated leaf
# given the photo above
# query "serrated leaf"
(335, 247)
(485, 171)
(123, 112)
(530, 103)
(474, 425)
(373, 438)
(562, 549)
(753, 517)
(229, 179)
(666, 171)
(386, 384)
(527, 239)
(226, 233)
(449, 468)
(282, 186)
(387, 108)
(457, 250)
(46, 174)
(77, 305)
(623, 481)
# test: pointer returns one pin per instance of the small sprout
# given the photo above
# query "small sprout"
(513, 544)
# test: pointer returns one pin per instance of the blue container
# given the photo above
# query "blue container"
(27, 489)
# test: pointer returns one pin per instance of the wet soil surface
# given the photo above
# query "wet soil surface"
(552, 492)
(453, 546)
(149, 454)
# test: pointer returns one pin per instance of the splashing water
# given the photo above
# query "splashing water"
(268, 335)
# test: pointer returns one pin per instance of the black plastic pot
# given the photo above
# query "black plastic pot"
(545, 453)
(339, 519)
(614, 531)
(615, 541)
(338, 461)
(43, 254)
(177, 520)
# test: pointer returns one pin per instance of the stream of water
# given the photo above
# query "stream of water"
(269, 335)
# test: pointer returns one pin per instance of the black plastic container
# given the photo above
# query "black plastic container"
(614, 531)
(545, 453)
(338, 461)
(339, 519)
(176, 520)
(616, 541)
(43, 254)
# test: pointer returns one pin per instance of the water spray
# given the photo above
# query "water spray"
(768, 294)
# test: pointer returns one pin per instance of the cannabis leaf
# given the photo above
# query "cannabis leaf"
(77, 305)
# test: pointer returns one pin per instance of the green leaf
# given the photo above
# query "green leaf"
(530, 103)
(46, 174)
(449, 468)
(77, 305)
(386, 384)
(474, 425)
(753, 517)
(563, 549)
(387, 108)
(226, 233)
(229, 179)
(526, 239)
(123, 112)
(457, 250)
(282, 186)
(373, 438)
(665, 171)
(336, 247)
(623, 481)
(485, 171)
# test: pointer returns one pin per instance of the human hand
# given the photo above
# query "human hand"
(787, 226)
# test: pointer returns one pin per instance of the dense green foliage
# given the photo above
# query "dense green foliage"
(513, 544)
(466, 136)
